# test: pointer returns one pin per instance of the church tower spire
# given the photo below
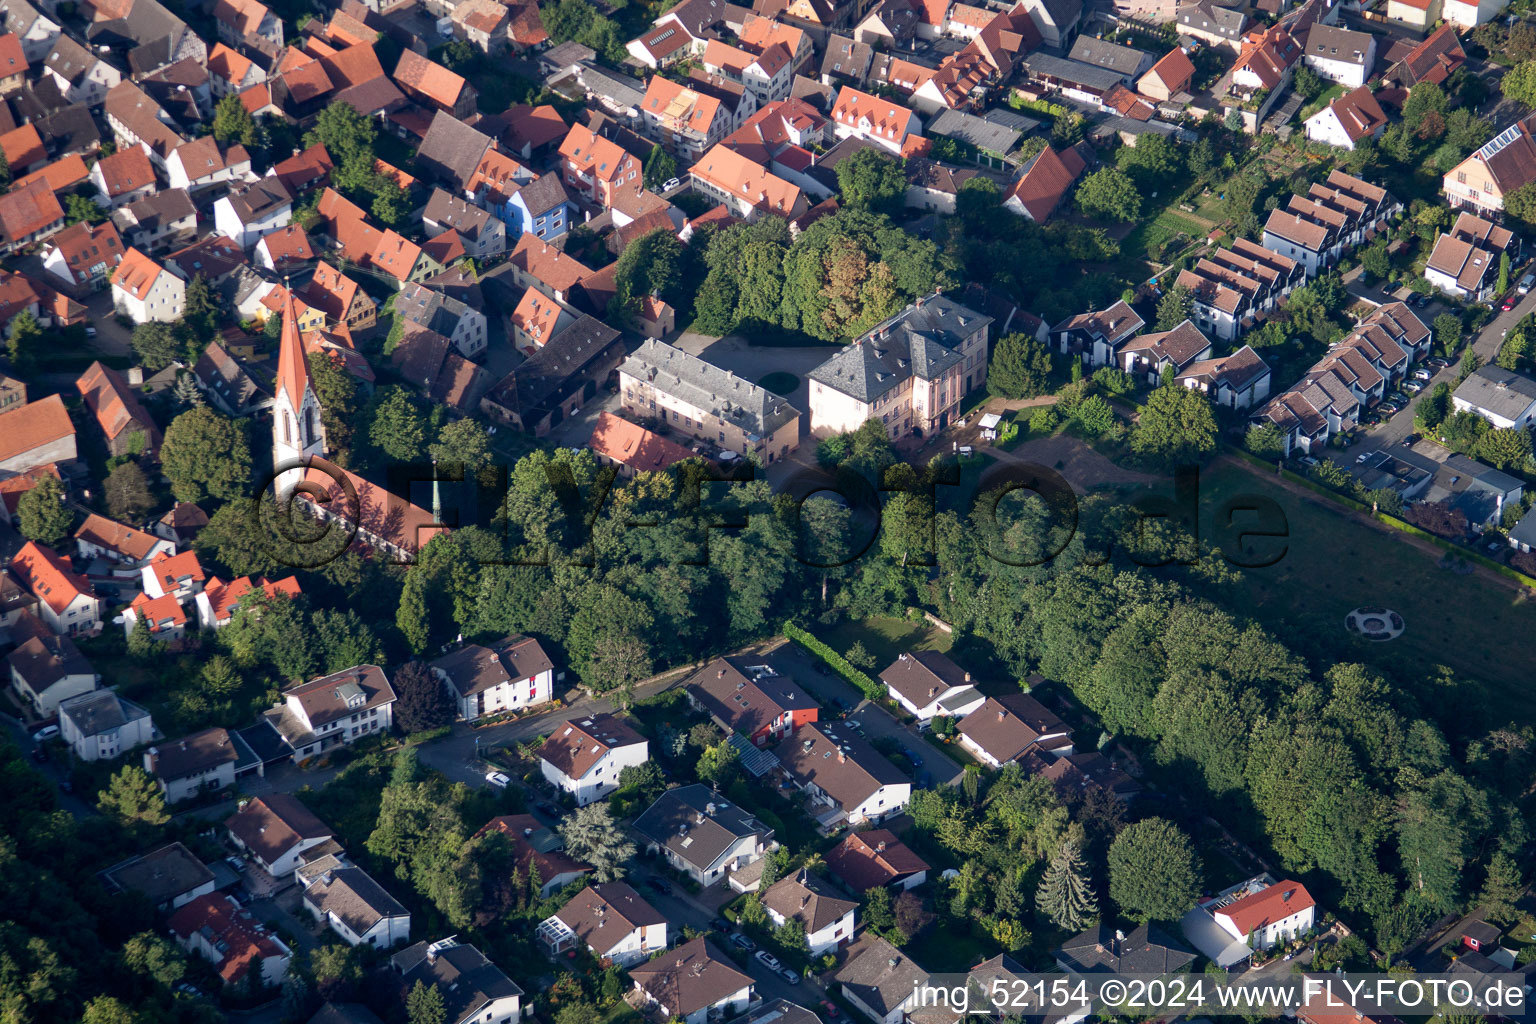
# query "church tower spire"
(297, 432)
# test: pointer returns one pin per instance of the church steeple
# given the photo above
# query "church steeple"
(297, 432)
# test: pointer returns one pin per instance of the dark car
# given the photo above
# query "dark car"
(1420, 301)
(720, 924)
(39, 754)
(660, 885)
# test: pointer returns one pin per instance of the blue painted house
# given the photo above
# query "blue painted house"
(541, 208)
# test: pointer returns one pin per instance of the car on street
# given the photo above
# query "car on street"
(1419, 301)
(767, 959)
(916, 758)
(793, 977)
(1422, 375)
(1527, 283)
(832, 1011)
(44, 734)
(1388, 409)
(1363, 456)
(498, 779)
(660, 885)
(1413, 387)
(743, 943)
(90, 332)
(1437, 363)
(720, 924)
(1509, 302)
(39, 754)
(670, 184)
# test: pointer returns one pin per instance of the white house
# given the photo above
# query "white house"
(1264, 911)
(1471, 13)
(36, 32)
(1502, 397)
(693, 983)
(1348, 120)
(584, 756)
(475, 991)
(202, 762)
(861, 115)
(1004, 729)
(178, 575)
(170, 877)
(1339, 54)
(881, 981)
(100, 725)
(843, 773)
(201, 163)
(828, 918)
(144, 291)
(67, 601)
(928, 685)
(245, 215)
(611, 920)
(222, 932)
(274, 830)
(334, 710)
(354, 906)
(512, 674)
(47, 669)
(702, 834)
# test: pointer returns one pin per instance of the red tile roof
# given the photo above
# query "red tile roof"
(163, 612)
(1045, 182)
(27, 210)
(242, 939)
(428, 78)
(1267, 906)
(126, 171)
(50, 577)
(632, 445)
(169, 569)
(136, 274)
(114, 536)
(115, 405)
(32, 426)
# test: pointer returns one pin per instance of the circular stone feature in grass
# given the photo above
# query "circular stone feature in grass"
(1375, 623)
(780, 383)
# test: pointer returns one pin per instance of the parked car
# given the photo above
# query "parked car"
(1413, 387)
(670, 184)
(720, 924)
(39, 754)
(660, 885)
(1526, 284)
(45, 734)
(793, 977)
(241, 895)
(767, 959)
(1422, 375)
(1363, 456)
(1419, 301)
(916, 758)
(832, 1011)
(743, 943)
(498, 779)
(1308, 461)
(90, 332)
(1509, 301)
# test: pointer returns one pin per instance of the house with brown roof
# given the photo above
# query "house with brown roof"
(169, 573)
(537, 264)
(928, 685)
(1044, 183)
(1434, 59)
(46, 670)
(861, 115)
(100, 537)
(661, 45)
(248, 212)
(169, 877)
(480, 233)
(274, 830)
(202, 762)
(34, 434)
(124, 177)
(428, 360)
(230, 71)
(434, 86)
(286, 247)
(145, 291)
(1348, 120)
(537, 846)
(748, 189)
(693, 983)
(202, 163)
(137, 120)
(1461, 266)
(1504, 163)
(82, 256)
(66, 600)
(611, 920)
(28, 214)
(880, 980)
(585, 756)
(80, 74)
(632, 448)
(248, 23)
(508, 675)
(1151, 354)
(346, 899)
(334, 710)
(1003, 729)
(843, 775)
(552, 383)
(340, 298)
(1240, 380)
(828, 916)
(1171, 75)
(128, 428)
(537, 319)
(875, 857)
(702, 834)
(750, 698)
(687, 119)
(161, 217)
(596, 167)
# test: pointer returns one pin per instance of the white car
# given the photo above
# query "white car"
(1422, 375)
(670, 184)
(767, 959)
(1363, 456)
(498, 779)
(44, 734)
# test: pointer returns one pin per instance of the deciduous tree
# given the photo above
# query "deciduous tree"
(1153, 872)
(45, 517)
(1176, 426)
(205, 453)
(1108, 194)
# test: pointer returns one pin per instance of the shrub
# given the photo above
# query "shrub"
(836, 661)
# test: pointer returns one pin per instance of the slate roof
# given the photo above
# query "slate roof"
(474, 668)
(1147, 950)
(882, 976)
(745, 700)
(919, 341)
(467, 980)
(1501, 392)
(703, 385)
(698, 813)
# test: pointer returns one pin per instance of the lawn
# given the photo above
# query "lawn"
(1330, 94)
(1334, 563)
(1146, 242)
(886, 638)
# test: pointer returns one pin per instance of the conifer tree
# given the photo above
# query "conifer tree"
(1064, 894)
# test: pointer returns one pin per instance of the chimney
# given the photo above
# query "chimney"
(880, 846)
(967, 677)
(1001, 714)
(842, 758)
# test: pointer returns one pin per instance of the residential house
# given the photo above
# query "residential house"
(334, 710)
(540, 208)
(512, 674)
(1420, 14)
(880, 980)
(1506, 162)
(858, 114)
(889, 23)
(248, 23)
(702, 834)
(661, 45)
(100, 537)
(66, 600)
(453, 318)
(182, 523)
(1171, 75)
(23, 149)
(247, 214)
(703, 401)
(475, 991)
(1149, 355)
(766, 72)
(1262, 912)
(203, 163)
(100, 725)
(274, 831)
(552, 383)
(219, 930)
(1046, 179)
(1339, 54)
(348, 901)
(1347, 120)
(875, 857)
(203, 762)
(47, 670)
(828, 918)
(1213, 24)
(846, 61)
(145, 291)
(911, 372)
(286, 247)
(747, 189)
(124, 423)
(693, 983)
(751, 699)
(160, 217)
(633, 449)
(1465, 262)
(28, 213)
(611, 920)
(585, 756)
(176, 575)
(231, 72)
(137, 120)
(34, 434)
(536, 264)
(81, 75)
(1502, 397)
(451, 150)
(164, 617)
(928, 685)
(433, 85)
(427, 359)
(481, 234)
(304, 171)
(840, 771)
(1003, 729)
(1057, 20)
(124, 177)
(169, 877)
(35, 31)
(1434, 59)
(536, 319)
(83, 256)
(535, 846)
(1472, 13)
(687, 121)
(596, 167)
(1261, 74)
(1238, 381)
(1103, 949)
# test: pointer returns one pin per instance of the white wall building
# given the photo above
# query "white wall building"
(584, 756)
